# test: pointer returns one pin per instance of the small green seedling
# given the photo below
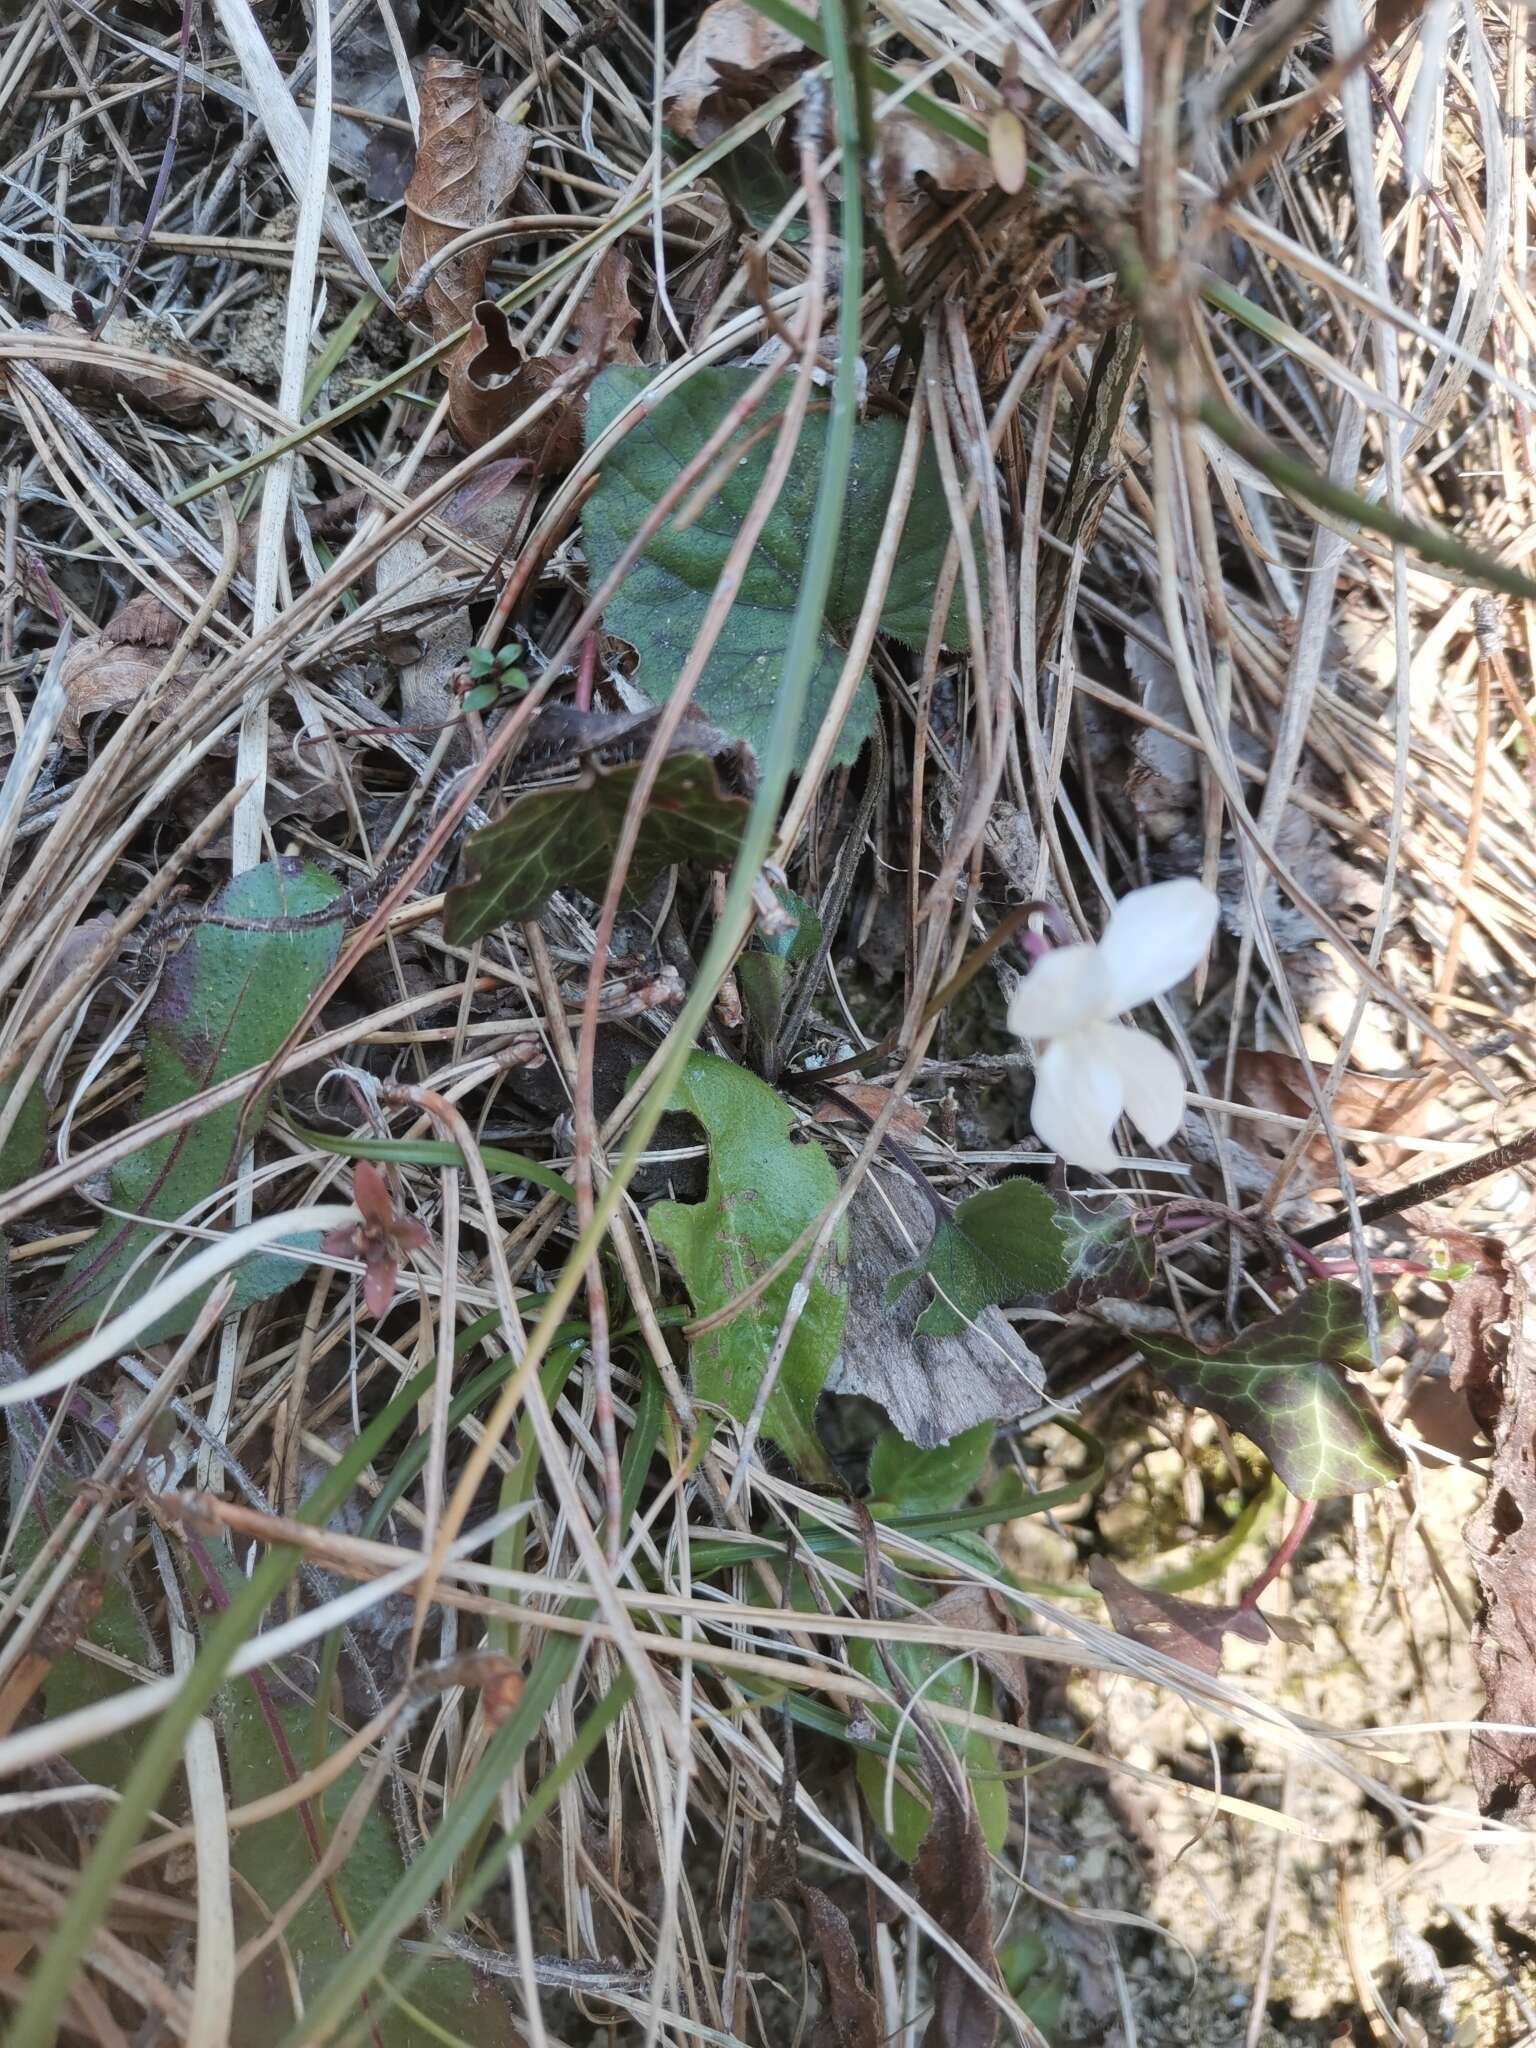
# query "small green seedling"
(493, 676)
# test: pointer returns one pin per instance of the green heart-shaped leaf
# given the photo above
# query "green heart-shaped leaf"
(661, 602)
(999, 1246)
(764, 1190)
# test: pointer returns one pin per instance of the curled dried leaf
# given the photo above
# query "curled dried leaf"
(1361, 1102)
(468, 165)
(735, 59)
(1492, 1365)
(914, 163)
(105, 672)
(856, 1099)
(606, 319)
(491, 382)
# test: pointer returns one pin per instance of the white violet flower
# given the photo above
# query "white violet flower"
(1089, 1067)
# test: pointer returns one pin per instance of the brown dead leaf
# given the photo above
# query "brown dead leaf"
(468, 164)
(1189, 1630)
(735, 59)
(914, 163)
(932, 1388)
(1502, 1539)
(1477, 1324)
(1392, 17)
(491, 382)
(910, 1120)
(111, 669)
(435, 631)
(607, 317)
(953, 1881)
(852, 2016)
(105, 377)
(106, 673)
(1362, 1102)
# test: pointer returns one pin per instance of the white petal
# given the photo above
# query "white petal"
(1077, 1098)
(1154, 938)
(1151, 1079)
(1062, 991)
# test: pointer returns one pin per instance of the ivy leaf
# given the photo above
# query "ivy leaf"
(660, 605)
(227, 1001)
(997, 1247)
(566, 838)
(916, 1481)
(1282, 1382)
(764, 1189)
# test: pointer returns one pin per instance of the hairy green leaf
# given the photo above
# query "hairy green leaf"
(22, 1153)
(764, 1190)
(566, 838)
(1106, 1255)
(227, 1001)
(928, 1482)
(1282, 1382)
(660, 605)
(999, 1246)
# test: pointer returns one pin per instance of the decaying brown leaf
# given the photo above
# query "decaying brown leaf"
(932, 1388)
(111, 669)
(910, 1120)
(1492, 1365)
(492, 381)
(105, 674)
(468, 164)
(1361, 1102)
(1392, 17)
(978, 1609)
(105, 376)
(606, 319)
(915, 163)
(1190, 1630)
(852, 2016)
(1477, 1321)
(435, 632)
(735, 59)
(953, 1881)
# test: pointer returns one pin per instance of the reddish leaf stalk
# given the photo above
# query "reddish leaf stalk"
(1289, 1544)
